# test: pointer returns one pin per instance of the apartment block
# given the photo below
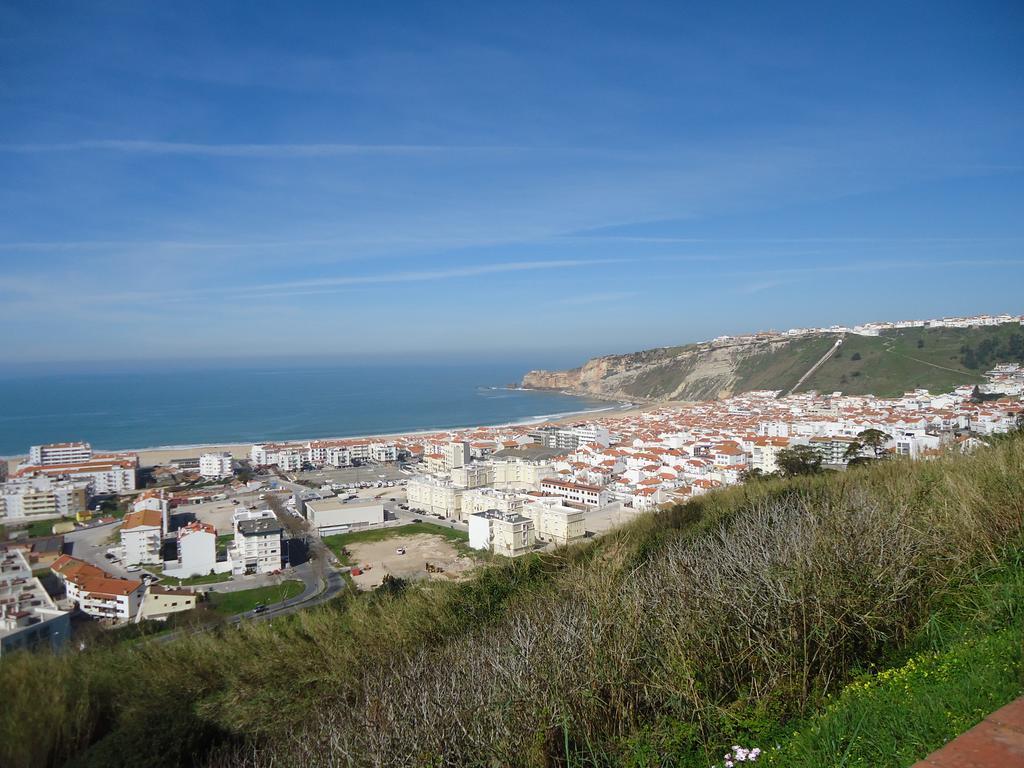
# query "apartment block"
(258, 545)
(505, 534)
(40, 498)
(142, 535)
(29, 619)
(97, 593)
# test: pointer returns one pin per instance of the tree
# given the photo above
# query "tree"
(855, 356)
(920, 343)
(875, 439)
(853, 451)
(754, 473)
(799, 460)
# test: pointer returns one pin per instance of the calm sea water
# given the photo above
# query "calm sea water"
(189, 407)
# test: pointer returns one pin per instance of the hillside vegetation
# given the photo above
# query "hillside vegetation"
(938, 359)
(797, 613)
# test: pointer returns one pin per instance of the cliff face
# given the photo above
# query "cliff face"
(695, 372)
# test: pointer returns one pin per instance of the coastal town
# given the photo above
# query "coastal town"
(132, 537)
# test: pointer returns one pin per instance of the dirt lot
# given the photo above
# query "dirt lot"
(420, 549)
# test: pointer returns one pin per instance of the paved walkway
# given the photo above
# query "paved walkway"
(998, 740)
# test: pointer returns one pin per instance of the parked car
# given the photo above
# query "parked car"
(417, 520)
(110, 556)
(261, 608)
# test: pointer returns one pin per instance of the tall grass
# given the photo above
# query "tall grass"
(664, 638)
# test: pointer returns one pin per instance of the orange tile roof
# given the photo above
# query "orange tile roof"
(143, 517)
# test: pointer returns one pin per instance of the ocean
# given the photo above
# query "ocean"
(156, 408)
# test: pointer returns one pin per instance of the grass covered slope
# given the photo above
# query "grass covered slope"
(931, 358)
(759, 615)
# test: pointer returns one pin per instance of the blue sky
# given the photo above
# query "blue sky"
(224, 180)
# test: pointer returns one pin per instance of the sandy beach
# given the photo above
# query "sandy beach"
(149, 457)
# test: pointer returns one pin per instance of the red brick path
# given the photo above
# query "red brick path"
(995, 742)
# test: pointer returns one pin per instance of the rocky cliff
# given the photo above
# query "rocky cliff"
(695, 372)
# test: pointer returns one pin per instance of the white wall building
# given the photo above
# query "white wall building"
(555, 522)
(197, 552)
(40, 498)
(28, 616)
(577, 493)
(331, 516)
(258, 545)
(59, 453)
(216, 465)
(96, 592)
(510, 535)
(435, 496)
(105, 475)
(142, 537)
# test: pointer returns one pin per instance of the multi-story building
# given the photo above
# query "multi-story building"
(521, 467)
(483, 499)
(556, 437)
(216, 465)
(97, 593)
(142, 535)
(435, 496)
(576, 493)
(28, 617)
(475, 475)
(59, 453)
(832, 449)
(554, 521)
(505, 534)
(197, 549)
(39, 498)
(104, 474)
(258, 545)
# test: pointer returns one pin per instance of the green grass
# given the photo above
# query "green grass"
(338, 542)
(45, 527)
(782, 368)
(903, 714)
(208, 578)
(893, 363)
(232, 603)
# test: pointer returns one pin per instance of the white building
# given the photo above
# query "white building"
(483, 499)
(59, 453)
(97, 593)
(142, 535)
(577, 493)
(28, 617)
(216, 465)
(259, 542)
(475, 475)
(554, 521)
(40, 498)
(435, 496)
(154, 500)
(513, 469)
(331, 516)
(510, 535)
(197, 552)
(105, 475)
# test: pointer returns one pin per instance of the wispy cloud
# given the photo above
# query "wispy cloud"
(148, 147)
(596, 298)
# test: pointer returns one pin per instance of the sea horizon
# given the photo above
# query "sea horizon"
(185, 410)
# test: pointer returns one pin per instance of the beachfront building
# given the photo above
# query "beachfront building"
(334, 515)
(59, 453)
(41, 498)
(258, 545)
(575, 493)
(29, 619)
(554, 521)
(435, 496)
(110, 474)
(507, 534)
(215, 466)
(96, 593)
(142, 535)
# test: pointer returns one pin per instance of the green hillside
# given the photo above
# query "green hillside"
(858, 618)
(930, 358)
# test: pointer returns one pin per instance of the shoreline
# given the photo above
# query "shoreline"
(161, 454)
